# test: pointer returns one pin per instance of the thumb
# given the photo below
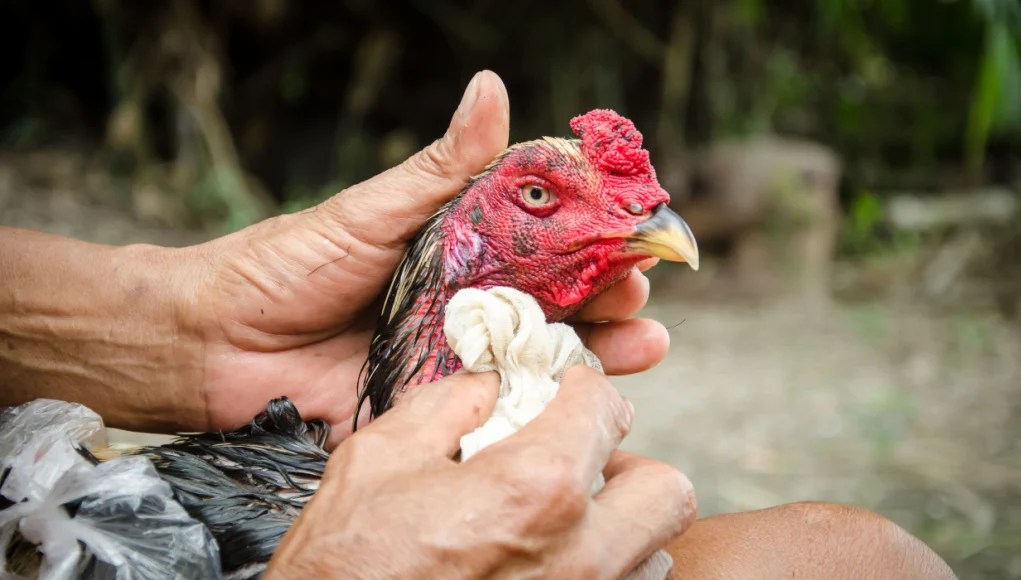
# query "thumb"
(390, 208)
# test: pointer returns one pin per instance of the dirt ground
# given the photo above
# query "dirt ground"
(902, 409)
(907, 409)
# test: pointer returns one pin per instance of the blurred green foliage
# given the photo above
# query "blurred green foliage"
(864, 219)
(911, 93)
(866, 231)
(996, 100)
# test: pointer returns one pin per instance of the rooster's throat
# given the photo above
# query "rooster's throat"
(409, 347)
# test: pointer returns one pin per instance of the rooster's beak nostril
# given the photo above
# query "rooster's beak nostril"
(665, 235)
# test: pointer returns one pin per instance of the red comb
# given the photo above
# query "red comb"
(611, 142)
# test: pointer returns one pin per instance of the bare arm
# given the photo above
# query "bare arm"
(98, 325)
(803, 540)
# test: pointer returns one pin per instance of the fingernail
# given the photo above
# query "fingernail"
(471, 94)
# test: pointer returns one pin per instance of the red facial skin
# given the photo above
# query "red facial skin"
(563, 252)
(560, 253)
(568, 250)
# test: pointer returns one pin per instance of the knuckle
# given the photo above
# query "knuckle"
(433, 161)
(549, 490)
(564, 496)
(621, 414)
(594, 382)
(606, 400)
(615, 408)
(677, 491)
(564, 492)
(673, 480)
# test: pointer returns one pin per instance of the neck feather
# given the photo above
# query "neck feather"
(408, 346)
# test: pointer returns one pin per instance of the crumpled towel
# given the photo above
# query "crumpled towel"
(504, 330)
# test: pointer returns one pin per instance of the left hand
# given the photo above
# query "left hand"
(288, 306)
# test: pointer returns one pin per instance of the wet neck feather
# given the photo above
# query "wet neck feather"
(409, 347)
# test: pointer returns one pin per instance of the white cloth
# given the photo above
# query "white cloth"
(504, 330)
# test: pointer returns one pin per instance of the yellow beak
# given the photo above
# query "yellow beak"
(665, 235)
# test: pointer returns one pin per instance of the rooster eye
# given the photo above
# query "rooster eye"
(536, 195)
(636, 209)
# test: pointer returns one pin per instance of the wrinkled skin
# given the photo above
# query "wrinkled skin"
(519, 508)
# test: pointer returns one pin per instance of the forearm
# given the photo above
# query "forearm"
(98, 325)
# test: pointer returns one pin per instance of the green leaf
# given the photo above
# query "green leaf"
(988, 94)
(1008, 114)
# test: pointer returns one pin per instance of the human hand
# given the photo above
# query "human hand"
(288, 306)
(393, 503)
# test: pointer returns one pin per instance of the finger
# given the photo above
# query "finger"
(627, 346)
(574, 436)
(404, 197)
(647, 264)
(618, 302)
(655, 567)
(643, 506)
(431, 419)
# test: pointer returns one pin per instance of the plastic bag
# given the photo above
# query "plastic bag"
(115, 519)
(46, 419)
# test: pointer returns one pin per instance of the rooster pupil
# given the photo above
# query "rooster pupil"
(537, 196)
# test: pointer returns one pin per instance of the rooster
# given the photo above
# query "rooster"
(559, 219)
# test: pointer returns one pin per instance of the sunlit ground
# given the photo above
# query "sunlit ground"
(901, 408)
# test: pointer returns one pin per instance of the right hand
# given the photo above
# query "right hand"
(393, 503)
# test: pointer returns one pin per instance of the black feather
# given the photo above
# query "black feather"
(399, 348)
(247, 486)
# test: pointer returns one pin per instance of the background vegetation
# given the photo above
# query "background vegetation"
(271, 103)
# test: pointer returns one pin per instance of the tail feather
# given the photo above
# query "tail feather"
(247, 486)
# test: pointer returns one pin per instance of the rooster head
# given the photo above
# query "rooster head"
(563, 219)
(559, 219)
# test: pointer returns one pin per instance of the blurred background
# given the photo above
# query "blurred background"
(852, 169)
